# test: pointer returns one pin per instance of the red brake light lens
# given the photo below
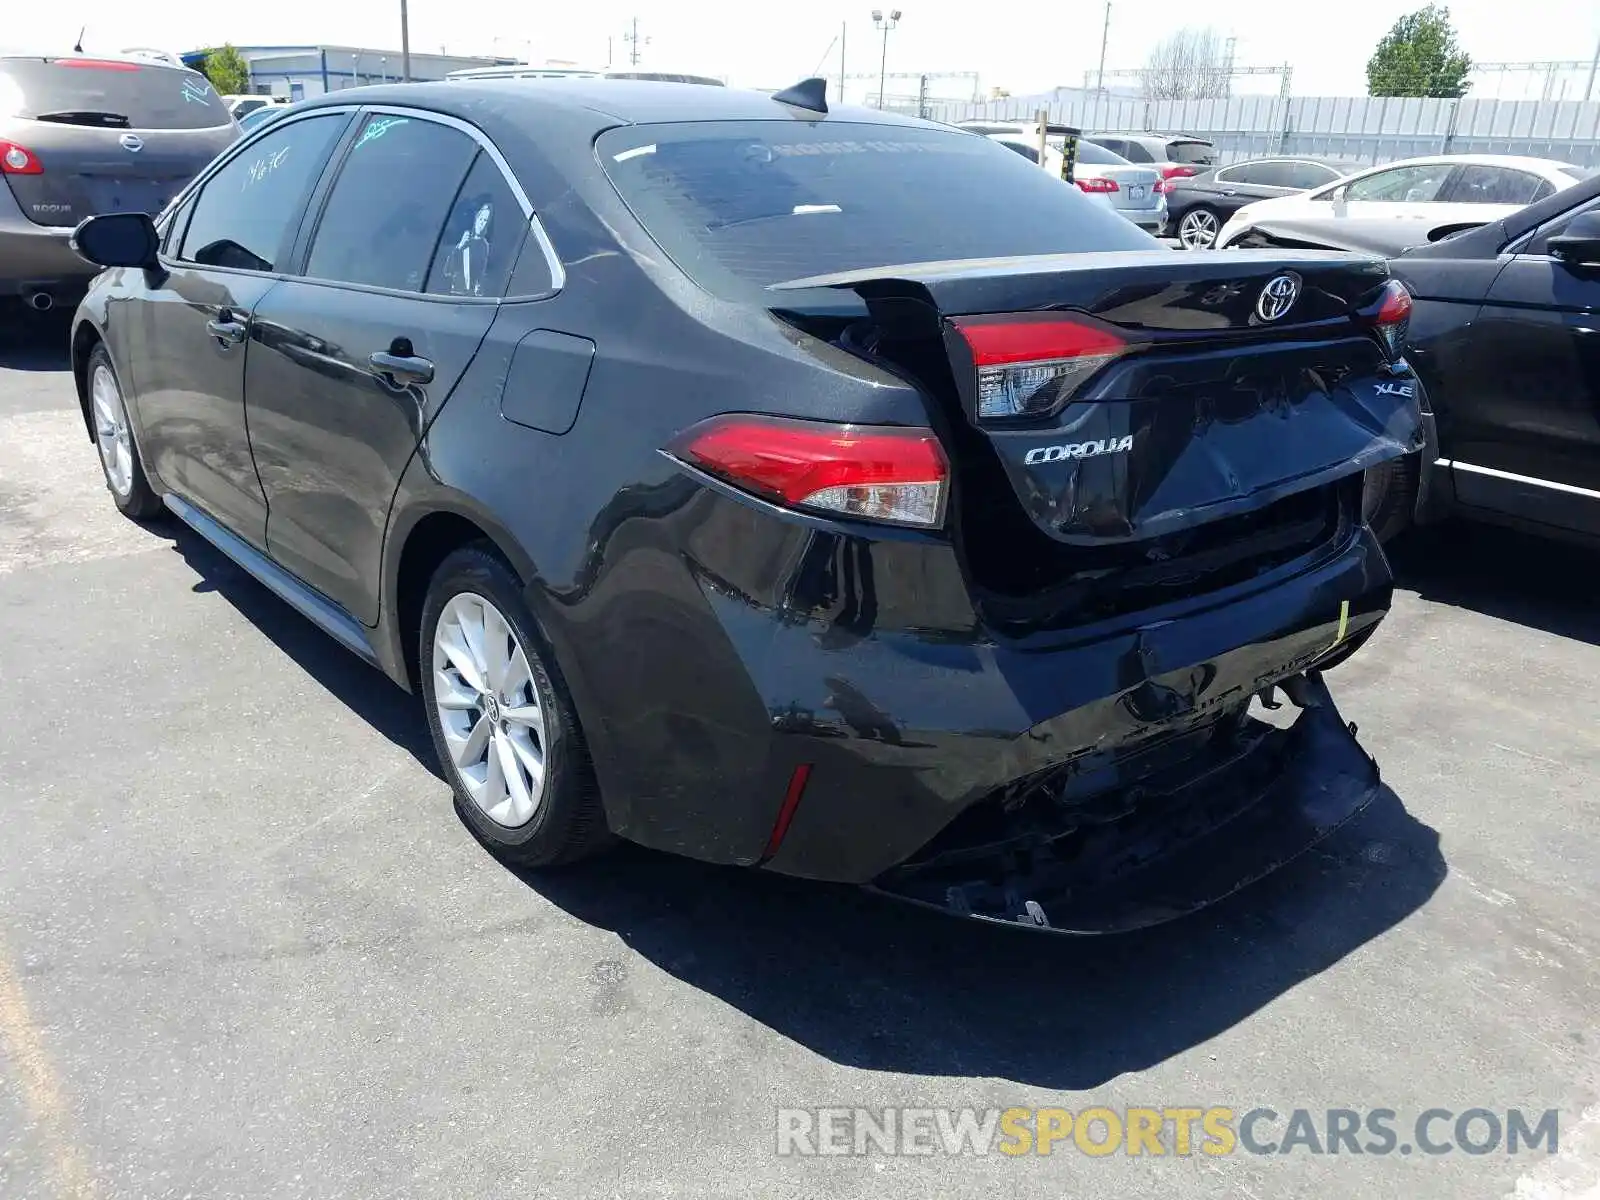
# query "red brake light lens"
(1178, 172)
(1393, 319)
(18, 160)
(1097, 186)
(97, 64)
(889, 473)
(1160, 186)
(1029, 366)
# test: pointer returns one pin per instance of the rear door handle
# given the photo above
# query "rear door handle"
(402, 368)
(226, 329)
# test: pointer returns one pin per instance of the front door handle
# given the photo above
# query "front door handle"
(226, 329)
(402, 368)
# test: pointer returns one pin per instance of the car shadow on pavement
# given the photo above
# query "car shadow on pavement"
(364, 689)
(1535, 582)
(869, 983)
(34, 341)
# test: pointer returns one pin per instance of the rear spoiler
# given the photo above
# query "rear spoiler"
(1111, 284)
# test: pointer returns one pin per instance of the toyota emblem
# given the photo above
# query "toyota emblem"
(132, 142)
(1278, 296)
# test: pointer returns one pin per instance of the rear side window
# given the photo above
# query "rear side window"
(1028, 152)
(1493, 185)
(1196, 153)
(481, 236)
(245, 210)
(741, 205)
(1135, 152)
(388, 207)
(108, 94)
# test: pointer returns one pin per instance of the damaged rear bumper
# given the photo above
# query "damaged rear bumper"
(1232, 805)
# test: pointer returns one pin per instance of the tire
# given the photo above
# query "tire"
(1198, 228)
(527, 716)
(1389, 497)
(114, 440)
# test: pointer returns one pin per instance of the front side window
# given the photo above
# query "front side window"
(1402, 185)
(1307, 175)
(385, 213)
(251, 206)
(481, 236)
(740, 205)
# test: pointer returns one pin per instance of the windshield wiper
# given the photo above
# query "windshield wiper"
(85, 116)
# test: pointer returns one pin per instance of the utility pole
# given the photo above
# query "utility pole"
(634, 42)
(880, 22)
(405, 44)
(1100, 77)
(844, 27)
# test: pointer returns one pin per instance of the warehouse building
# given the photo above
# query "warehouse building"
(299, 72)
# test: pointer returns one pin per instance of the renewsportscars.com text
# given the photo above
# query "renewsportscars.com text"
(1177, 1131)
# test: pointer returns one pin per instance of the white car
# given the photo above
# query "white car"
(1382, 206)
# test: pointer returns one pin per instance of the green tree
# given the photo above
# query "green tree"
(1419, 57)
(227, 70)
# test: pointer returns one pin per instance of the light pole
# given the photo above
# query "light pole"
(885, 24)
(405, 44)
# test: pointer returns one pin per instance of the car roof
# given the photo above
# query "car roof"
(1524, 162)
(603, 102)
(1148, 135)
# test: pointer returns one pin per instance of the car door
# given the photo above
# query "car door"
(1524, 435)
(223, 252)
(358, 352)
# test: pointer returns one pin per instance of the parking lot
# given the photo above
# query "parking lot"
(247, 949)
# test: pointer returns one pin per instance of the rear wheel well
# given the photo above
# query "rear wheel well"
(84, 339)
(428, 544)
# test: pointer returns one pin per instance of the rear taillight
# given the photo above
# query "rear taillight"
(1179, 172)
(873, 472)
(1029, 365)
(18, 160)
(1097, 186)
(1391, 321)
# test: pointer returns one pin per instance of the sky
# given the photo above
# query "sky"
(1022, 45)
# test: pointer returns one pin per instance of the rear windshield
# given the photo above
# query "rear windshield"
(1099, 156)
(117, 95)
(1198, 153)
(739, 205)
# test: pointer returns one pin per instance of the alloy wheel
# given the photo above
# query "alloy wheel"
(489, 710)
(111, 430)
(1198, 230)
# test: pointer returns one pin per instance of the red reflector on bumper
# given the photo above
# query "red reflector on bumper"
(791, 801)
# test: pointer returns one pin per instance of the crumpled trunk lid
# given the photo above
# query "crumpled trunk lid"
(1223, 399)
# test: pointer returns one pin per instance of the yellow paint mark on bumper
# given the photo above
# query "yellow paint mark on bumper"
(1344, 622)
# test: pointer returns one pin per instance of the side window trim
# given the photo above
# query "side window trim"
(184, 204)
(558, 273)
(1535, 241)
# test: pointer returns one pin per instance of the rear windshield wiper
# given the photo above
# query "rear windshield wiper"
(85, 116)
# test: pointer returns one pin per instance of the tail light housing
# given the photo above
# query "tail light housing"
(1178, 172)
(1097, 186)
(1161, 187)
(1391, 319)
(18, 160)
(889, 473)
(1029, 365)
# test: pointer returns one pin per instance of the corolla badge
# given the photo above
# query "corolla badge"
(1050, 454)
(1278, 297)
(132, 142)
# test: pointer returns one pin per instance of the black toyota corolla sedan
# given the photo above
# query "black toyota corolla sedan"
(824, 491)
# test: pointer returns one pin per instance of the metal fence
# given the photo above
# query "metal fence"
(1369, 129)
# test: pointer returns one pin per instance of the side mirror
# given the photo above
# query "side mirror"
(118, 240)
(1579, 245)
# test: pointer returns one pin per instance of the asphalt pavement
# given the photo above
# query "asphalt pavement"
(248, 950)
